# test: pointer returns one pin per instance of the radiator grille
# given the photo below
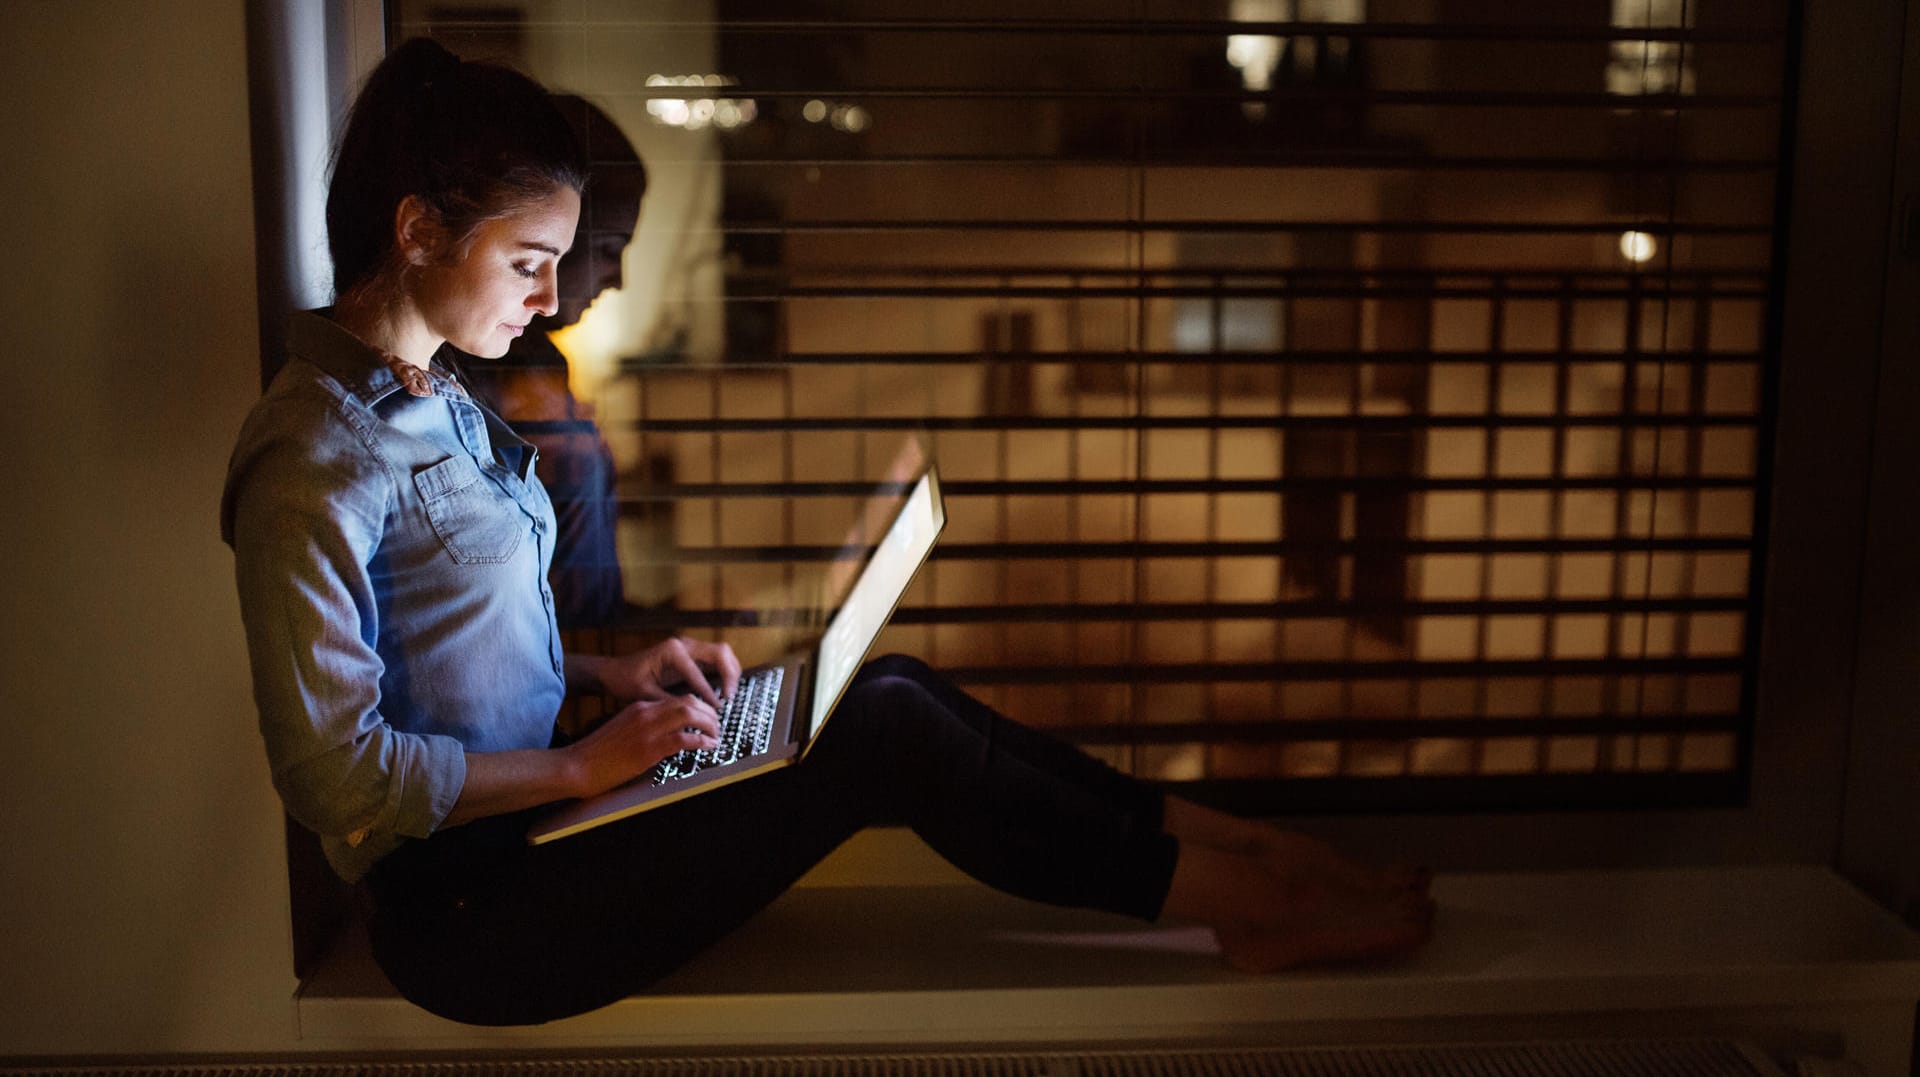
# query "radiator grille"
(1609, 1058)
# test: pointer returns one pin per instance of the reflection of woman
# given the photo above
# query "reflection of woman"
(529, 387)
(391, 541)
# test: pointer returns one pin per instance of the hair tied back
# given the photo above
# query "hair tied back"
(426, 60)
(470, 139)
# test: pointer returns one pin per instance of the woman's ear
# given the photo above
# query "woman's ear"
(417, 232)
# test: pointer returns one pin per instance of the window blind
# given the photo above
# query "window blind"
(1340, 404)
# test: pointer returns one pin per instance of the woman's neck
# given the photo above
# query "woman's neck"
(394, 328)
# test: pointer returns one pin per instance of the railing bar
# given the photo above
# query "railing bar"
(1201, 673)
(1137, 28)
(1579, 283)
(1360, 728)
(1253, 159)
(1363, 227)
(1598, 420)
(1179, 358)
(1176, 291)
(1667, 102)
(1078, 550)
(1092, 487)
(1262, 611)
(1291, 609)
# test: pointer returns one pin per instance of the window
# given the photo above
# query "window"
(1370, 395)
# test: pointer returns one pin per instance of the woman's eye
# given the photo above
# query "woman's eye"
(525, 269)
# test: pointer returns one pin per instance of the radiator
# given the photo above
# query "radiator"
(1582, 1058)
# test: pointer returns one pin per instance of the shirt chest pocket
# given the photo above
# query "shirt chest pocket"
(476, 522)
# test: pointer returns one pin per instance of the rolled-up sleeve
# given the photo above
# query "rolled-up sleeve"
(306, 507)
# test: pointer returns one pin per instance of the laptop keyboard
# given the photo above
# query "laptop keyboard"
(746, 728)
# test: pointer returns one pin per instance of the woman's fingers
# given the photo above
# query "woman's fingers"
(696, 716)
(639, 737)
(691, 658)
(679, 654)
(720, 658)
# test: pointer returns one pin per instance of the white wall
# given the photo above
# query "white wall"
(142, 874)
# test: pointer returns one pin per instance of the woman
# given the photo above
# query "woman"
(391, 544)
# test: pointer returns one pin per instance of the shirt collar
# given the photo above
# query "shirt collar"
(364, 371)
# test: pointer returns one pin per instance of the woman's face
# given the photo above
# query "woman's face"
(480, 301)
(595, 265)
(608, 216)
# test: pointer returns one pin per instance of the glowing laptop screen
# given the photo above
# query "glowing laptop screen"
(875, 594)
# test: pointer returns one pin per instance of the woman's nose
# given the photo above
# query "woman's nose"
(546, 298)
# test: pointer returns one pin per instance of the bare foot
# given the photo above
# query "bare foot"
(1293, 855)
(1322, 924)
(1283, 851)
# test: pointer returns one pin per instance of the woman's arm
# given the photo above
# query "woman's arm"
(305, 507)
(658, 724)
(583, 673)
(502, 782)
(655, 672)
(626, 745)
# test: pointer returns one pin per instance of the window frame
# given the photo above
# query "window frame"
(1832, 279)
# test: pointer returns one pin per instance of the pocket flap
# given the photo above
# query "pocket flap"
(448, 476)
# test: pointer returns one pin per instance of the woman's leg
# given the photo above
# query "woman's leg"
(1192, 823)
(926, 758)
(1033, 747)
(475, 925)
(1275, 897)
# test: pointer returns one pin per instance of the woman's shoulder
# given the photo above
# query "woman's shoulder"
(306, 411)
(306, 443)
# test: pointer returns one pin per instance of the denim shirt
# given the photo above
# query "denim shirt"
(391, 552)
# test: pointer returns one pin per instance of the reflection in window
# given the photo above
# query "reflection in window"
(1650, 67)
(1377, 403)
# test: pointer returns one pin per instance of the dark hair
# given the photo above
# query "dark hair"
(471, 140)
(612, 160)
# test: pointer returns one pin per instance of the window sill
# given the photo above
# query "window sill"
(1764, 951)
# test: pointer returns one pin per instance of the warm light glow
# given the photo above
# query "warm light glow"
(670, 112)
(699, 113)
(1638, 246)
(850, 118)
(814, 110)
(591, 347)
(1256, 55)
(1650, 67)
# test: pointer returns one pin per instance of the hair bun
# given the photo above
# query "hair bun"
(424, 59)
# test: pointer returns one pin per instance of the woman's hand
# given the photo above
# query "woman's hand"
(636, 739)
(654, 673)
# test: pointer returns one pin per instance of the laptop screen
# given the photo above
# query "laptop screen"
(879, 589)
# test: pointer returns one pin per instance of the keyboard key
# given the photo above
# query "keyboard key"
(746, 729)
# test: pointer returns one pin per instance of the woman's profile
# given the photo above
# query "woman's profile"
(392, 540)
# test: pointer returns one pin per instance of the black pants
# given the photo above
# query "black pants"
(476, 925)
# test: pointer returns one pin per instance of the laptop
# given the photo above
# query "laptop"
(796, 695)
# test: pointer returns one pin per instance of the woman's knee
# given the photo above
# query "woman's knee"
(900, 713)
(898, 665)
(885, 697)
